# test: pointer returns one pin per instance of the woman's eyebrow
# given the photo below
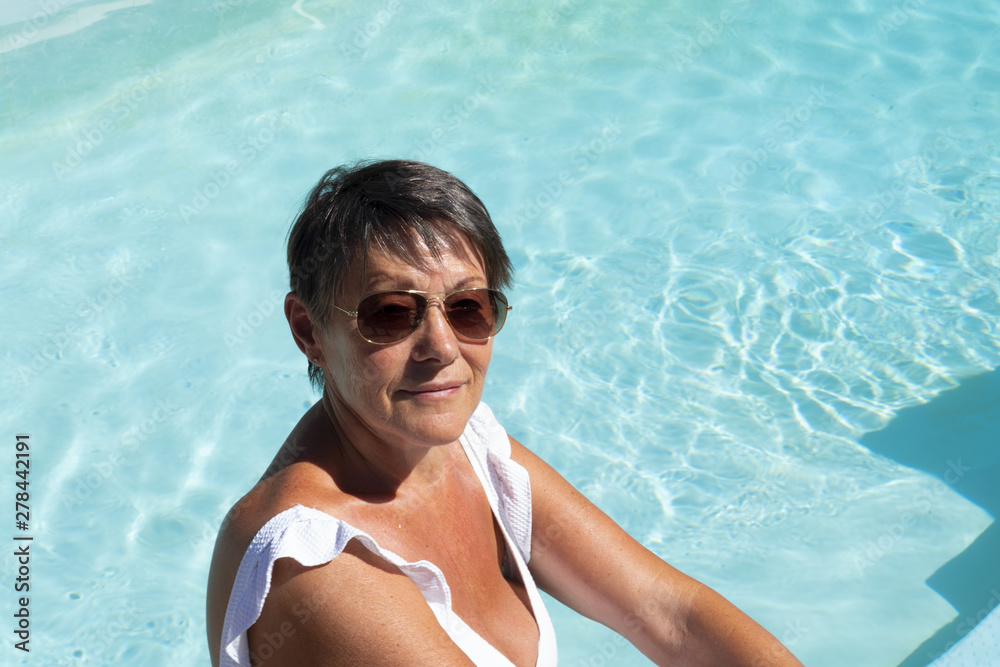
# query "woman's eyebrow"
(382, 280)
(469, 281)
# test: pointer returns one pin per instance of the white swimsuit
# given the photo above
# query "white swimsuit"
(313, 537)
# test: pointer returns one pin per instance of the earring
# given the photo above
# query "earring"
(315, 362)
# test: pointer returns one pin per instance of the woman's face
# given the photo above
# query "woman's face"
(423, 389)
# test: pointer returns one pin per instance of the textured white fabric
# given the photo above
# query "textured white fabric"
(313, 537)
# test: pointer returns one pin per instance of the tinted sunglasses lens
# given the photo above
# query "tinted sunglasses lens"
(499, 303)
(390, 316)
(476, 314)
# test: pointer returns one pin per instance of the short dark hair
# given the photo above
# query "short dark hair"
(390, 205)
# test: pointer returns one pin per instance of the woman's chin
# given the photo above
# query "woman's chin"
(438, 419)
(439, 434)
(434, 427)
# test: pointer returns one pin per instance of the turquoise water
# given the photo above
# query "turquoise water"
(746, 234)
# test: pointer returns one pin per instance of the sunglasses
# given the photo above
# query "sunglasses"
(389, 317)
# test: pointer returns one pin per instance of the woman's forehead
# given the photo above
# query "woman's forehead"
(456, 262)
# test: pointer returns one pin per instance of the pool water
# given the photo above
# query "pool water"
(749, 238)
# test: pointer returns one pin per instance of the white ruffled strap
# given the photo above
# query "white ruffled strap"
(509, 487)
(312, 538)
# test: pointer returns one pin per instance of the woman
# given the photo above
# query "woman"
(399, 524)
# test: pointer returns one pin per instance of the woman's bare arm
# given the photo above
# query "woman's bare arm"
(356, 610)
(584, 559)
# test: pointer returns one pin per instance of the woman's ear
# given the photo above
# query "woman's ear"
(305, 333)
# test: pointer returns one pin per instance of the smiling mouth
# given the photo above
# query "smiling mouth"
(438, 391)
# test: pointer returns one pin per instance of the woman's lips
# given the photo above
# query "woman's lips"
(435, 390)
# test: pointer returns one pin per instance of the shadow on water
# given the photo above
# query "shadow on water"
(956, 438)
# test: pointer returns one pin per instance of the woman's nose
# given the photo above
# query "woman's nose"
(435, 339)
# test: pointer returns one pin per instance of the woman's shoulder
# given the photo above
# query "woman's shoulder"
(277, 503)
(282, 498)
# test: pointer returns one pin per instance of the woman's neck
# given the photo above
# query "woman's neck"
(366, 464)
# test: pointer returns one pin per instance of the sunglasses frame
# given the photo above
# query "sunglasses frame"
(441, 297)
